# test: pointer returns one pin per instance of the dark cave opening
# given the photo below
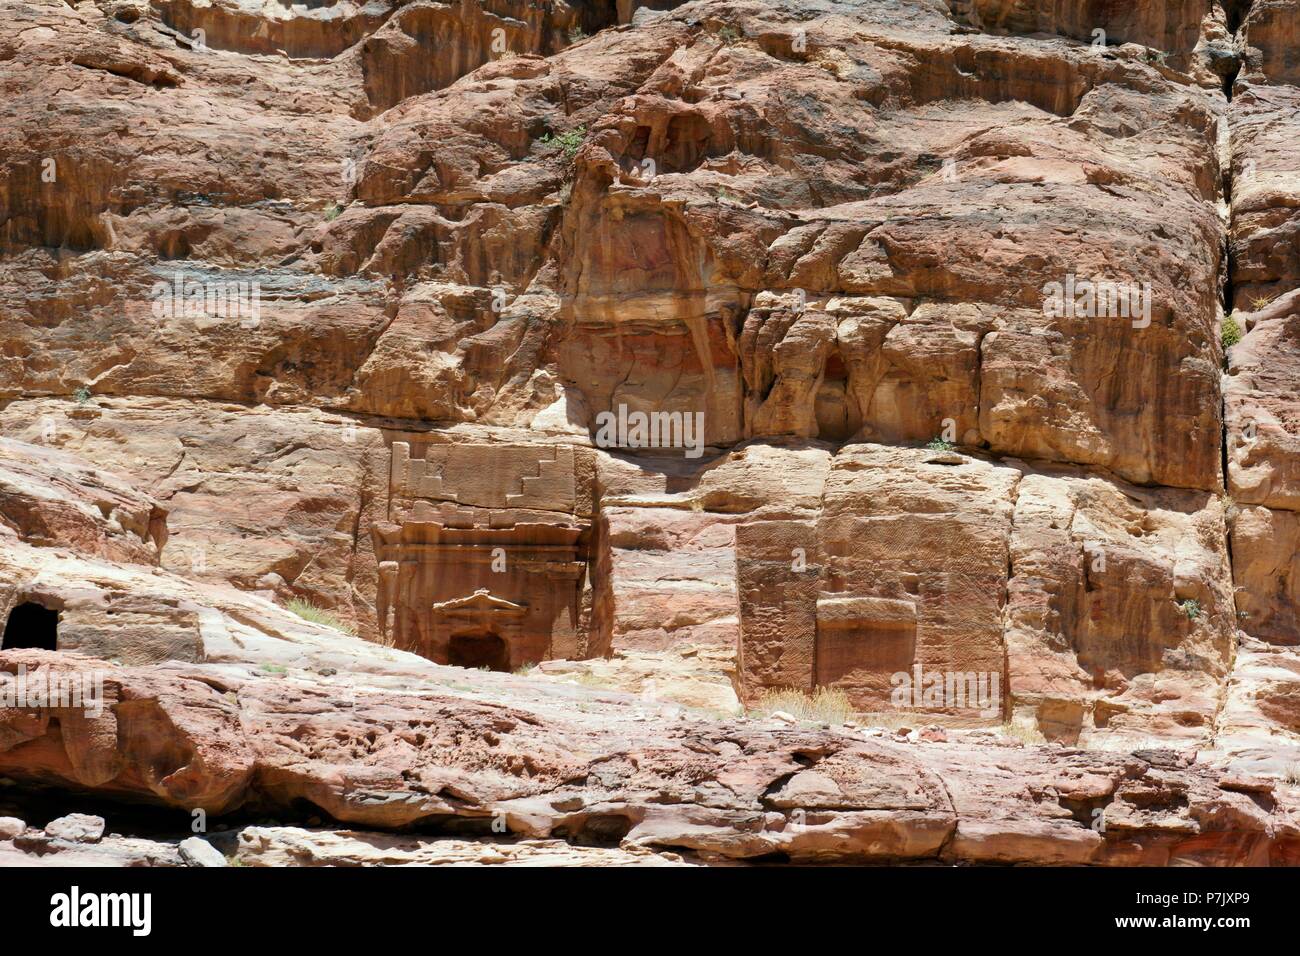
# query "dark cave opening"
(31, 625)
(481, 650)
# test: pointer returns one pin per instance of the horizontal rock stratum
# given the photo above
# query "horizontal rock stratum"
(651, 433)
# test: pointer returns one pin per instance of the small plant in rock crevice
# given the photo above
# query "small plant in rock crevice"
(939, 443)
(1231, 332)
(728, 35)
(569, 142)
(1191, 607)
(1230, 509)
(82, 395)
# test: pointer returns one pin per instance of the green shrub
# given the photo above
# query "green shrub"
(1231, 332)
(1191, 607)
(570, 142)
(940, 443)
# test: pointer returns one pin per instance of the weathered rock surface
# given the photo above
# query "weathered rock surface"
(268, 499)
(335, 302)
(76, 828)
(536, 275)
(55, 499)
(196, 851)
(293, 846)
(226, 737)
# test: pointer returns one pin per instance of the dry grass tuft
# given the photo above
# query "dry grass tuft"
(825, 704)
(890, 720)
(1022, 732)
(318, 615)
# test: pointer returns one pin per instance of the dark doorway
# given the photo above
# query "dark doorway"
(835, 413)
(31, 625)
(479, 650)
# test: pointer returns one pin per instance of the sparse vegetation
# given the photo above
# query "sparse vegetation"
(728, 34)
(82, 395)
(889, 720)
(318, 615)
(1230, 509)
(577, 34)
(828, 704)
(593, 680)
(1191, 607)
(939, 443)
(1292, 774)
(1231, 332)
(273, 668)
(1022, 732)
(570, 142)
(1259, 301)
(332, 211)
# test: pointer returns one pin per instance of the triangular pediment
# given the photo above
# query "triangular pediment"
(480, 600)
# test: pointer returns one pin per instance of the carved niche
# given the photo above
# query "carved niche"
(486, 556)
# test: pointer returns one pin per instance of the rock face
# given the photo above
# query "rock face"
(733, 790)
(470, 415)
(502, 572)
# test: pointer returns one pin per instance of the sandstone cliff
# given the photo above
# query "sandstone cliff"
(969, 331)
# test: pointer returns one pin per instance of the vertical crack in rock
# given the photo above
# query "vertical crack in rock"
(464, 262)
(1236, 12)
